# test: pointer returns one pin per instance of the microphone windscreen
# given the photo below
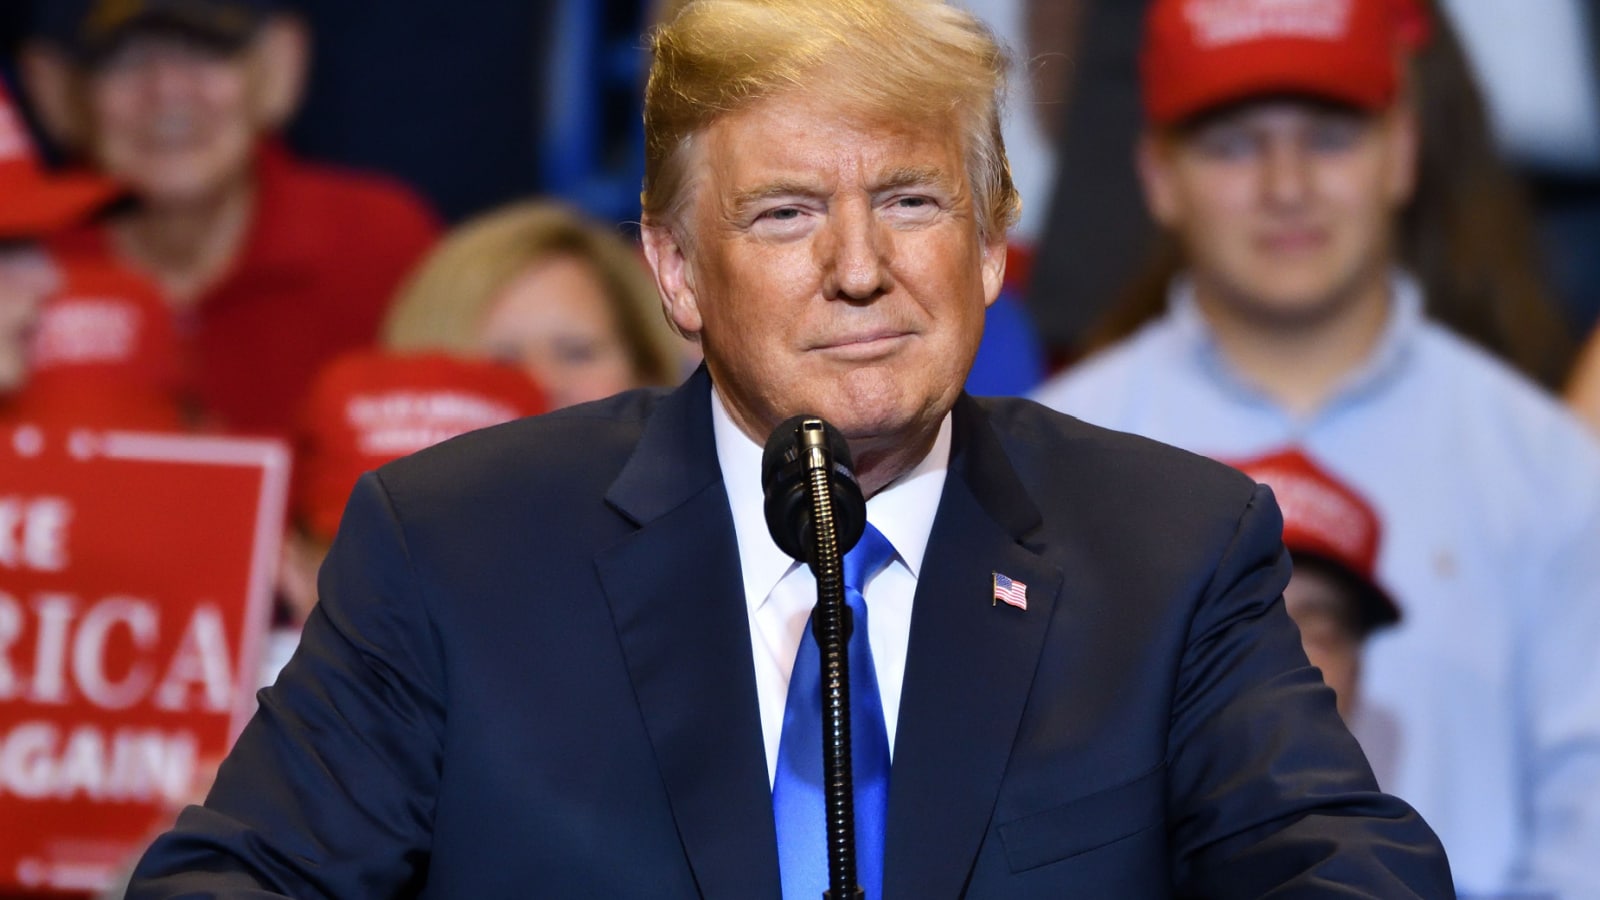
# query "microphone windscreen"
(785, 476)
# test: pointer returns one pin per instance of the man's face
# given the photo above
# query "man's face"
(173, 119)
(1283, 208)
(833, 267)
(556, 322)
(26, 277)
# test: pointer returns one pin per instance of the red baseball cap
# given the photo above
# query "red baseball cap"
(1323, 518)
(1200, 55)
(104, 353)
(368, 408)
(35, 203)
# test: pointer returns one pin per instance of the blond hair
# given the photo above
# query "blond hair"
(446, 298)
(892, 60)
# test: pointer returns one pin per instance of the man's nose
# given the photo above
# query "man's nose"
(1286, 178)
(166, 78)
(856, 254)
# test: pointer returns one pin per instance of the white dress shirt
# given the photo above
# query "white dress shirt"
(780, 592)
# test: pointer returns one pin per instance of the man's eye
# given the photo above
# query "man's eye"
(912, 208)
(1334, 137)
(782, 214)
(1227, 144)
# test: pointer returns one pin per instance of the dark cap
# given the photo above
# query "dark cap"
(92, 29)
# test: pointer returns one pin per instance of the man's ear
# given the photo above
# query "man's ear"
(51, 82)
(669, 260)
(994, 269)
(1153, 157)
(281, 57)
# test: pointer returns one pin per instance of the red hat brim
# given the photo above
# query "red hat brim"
(37, 208)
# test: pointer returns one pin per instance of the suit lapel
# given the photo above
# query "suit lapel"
(677, 599)
(969, 668)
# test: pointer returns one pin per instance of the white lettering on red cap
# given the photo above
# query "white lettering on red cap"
(1319, 509)
(85, 331)
(401, 422)
(1221, 23)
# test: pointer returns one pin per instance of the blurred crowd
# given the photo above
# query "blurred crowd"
(1369, 278)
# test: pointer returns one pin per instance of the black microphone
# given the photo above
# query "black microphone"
(815, 512)
(800, 447)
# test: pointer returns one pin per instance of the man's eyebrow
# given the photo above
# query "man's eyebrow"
(783, 187)
(912, 176)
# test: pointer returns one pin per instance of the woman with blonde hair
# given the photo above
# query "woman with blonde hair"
(539, 285)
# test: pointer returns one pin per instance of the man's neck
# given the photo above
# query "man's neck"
(877, 468)
(1301, 363)
(187, 246)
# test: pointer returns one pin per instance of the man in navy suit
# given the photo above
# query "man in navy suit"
(551, 659)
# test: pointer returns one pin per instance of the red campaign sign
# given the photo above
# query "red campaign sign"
(135, 589)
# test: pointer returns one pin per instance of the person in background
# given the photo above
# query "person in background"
(1333, 537)
(34, 205)
(541, 287)
(1281, 154)
(1467, 233)
(272, 265)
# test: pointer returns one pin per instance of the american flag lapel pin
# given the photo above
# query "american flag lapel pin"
(1009, 590)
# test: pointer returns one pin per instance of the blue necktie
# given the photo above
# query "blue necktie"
(798, 798)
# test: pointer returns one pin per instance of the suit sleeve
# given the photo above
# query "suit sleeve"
(329, 790)
(1269, 795)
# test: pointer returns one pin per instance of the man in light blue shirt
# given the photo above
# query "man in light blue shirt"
(1281, 176)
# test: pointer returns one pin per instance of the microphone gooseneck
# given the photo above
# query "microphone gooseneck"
(816, 513)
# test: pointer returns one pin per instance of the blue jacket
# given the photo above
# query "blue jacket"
(530, 676)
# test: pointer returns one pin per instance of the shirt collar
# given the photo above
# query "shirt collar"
(903, 511)
(1400, 331)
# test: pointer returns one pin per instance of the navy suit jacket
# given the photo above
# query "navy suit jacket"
(530, 675)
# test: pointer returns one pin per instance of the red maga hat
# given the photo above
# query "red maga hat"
(1200, 55)
(35, 203)
(104, 353)
(368, 408)
(1324, 518)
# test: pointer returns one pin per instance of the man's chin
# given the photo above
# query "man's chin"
(885, 427)
(1291, 302)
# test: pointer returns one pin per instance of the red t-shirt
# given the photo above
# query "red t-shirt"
(321, 262)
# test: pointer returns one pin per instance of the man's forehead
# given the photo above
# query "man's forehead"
(777, 145)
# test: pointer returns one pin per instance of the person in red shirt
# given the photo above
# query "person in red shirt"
(272, 265)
